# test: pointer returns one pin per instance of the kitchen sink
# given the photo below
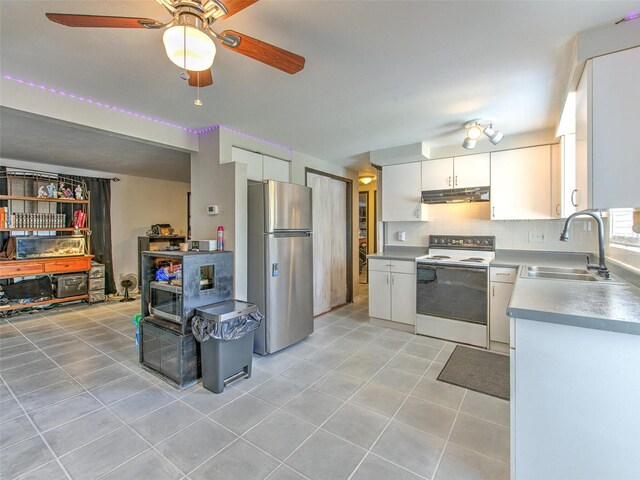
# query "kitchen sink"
(563, 276)
(582, 271)
(559, 273)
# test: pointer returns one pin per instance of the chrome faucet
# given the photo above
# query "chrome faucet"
(602, 269)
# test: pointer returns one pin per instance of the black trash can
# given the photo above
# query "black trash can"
(226, 331)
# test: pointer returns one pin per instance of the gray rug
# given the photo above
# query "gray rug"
(479, 370)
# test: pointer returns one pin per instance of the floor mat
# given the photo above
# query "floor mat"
(478, 370)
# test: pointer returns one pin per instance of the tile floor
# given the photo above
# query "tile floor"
(353, 401)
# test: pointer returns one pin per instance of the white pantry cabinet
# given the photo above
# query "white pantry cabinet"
(392, 290)
(607, 125)
(401, 192)
(521, 183)
(262, 167)
(458, 172)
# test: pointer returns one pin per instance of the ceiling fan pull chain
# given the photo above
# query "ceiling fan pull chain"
(197, 102)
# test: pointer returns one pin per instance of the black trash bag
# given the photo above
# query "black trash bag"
(37, 288)
(237, 327)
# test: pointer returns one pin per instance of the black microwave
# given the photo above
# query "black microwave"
(166, 301)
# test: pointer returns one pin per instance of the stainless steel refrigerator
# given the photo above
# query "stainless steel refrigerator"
(280, 274)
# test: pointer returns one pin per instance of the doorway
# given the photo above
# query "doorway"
(367, 224)
(332, 252)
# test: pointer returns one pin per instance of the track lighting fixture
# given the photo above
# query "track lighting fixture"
(475, 129)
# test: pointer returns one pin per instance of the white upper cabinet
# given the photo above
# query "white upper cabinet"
(253, 161)
(458, 172)
(437, 174)
(557, 180)
(275, 169)
(261, 167)
(607, 125)
(401, 192)
(521, 183)
(472, 171)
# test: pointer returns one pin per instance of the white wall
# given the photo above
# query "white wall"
(225, 185)
(136, 204)
(473, 219)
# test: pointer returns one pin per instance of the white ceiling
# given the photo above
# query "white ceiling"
(378, 73)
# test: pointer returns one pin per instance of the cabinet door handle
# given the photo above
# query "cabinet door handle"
(493, 290)
(387, 279)
(449, 180)
(558, 209)
(493, 211)
(455, 180)
(573, 196)
(393, 279)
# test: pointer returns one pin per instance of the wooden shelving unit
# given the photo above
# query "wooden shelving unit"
(24, 207)
(44, 229)
(42, 199)
(18, 306)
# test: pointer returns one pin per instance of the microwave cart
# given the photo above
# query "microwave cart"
(167, 347)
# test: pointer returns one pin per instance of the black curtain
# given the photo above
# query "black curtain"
(4, 190)
(100, 218)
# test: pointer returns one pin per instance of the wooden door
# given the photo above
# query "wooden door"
(329, 242)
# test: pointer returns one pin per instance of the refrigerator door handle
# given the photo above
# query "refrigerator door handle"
(275, 269)
(291, 233)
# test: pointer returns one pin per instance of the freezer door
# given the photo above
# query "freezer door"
(289, 285)
(287, 206)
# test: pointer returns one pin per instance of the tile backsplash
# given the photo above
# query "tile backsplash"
(473, 219)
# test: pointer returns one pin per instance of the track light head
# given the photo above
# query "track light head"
(494, 135)
(469, 143)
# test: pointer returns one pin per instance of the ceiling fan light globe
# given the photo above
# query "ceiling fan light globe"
(189, 48)
(469, 143)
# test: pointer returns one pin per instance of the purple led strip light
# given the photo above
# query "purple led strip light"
(140, 115)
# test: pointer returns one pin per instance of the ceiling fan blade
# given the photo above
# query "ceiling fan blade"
(234, 6)
(263, 52)
(200, 79)
(101, 21)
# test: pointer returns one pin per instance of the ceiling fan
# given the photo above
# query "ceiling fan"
(188, 37)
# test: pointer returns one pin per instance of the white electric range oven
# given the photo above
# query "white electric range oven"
(452, 291)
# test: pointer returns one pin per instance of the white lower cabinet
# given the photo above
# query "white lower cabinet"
(574, 402)
(380, 294)
(500, 287)
(392, 290)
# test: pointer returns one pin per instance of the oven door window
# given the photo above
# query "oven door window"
(166, 302)
(458, 293)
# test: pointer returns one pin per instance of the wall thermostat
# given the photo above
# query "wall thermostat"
(213, 210)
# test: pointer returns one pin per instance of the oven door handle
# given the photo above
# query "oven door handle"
(450, 267)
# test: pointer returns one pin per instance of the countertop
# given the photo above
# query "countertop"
(598, 305)
(613, 307)
(400, 253)
(515, 258)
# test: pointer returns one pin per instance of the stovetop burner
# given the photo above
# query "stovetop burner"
(439, 257)
(473, 259)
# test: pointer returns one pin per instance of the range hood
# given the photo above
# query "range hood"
(456, 195)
